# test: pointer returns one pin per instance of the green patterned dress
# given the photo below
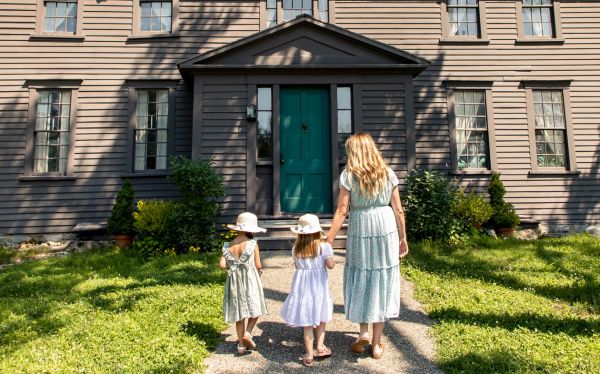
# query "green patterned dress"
(243, 296)
(372, 269)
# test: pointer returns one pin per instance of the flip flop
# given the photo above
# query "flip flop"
(378, 356)
(359, 345)
(323, 352)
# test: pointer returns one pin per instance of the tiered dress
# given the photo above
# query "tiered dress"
(372, 269)
(309, 302)
(243, 297)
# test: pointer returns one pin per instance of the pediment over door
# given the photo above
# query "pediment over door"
(306, 43)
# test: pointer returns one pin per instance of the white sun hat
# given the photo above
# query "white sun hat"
(307, 224)
(247, 222)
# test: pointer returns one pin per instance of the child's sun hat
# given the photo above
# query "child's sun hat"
(246, 222)
(307, 224)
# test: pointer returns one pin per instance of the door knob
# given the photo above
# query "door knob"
(281, 160)
(305, 126)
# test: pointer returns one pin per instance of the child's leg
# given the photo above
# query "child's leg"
(240, 328)
(377, 332)
(308, 341)
(321, 336)
(251, 324)
(364, 330)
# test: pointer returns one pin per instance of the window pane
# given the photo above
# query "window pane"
(264, 135)
(344, 98)
(344, 121)
(264, 98)
(471, 129)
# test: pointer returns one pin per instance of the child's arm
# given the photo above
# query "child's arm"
(257, 262)
(330, 262)
(223, 263)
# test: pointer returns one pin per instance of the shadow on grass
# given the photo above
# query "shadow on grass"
(495, 361)
(530, 321)
(203, 332)
(584, 288)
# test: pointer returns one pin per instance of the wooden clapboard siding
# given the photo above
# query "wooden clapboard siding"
(416, 27)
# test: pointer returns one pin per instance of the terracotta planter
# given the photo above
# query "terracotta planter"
(506, 232)
(123, 240)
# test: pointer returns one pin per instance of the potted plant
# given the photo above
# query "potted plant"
(120, 222)
(504, 219)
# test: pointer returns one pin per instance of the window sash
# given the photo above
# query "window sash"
(60, 16)
(52, 131)
(464, 18)
(151, 130)
(550, 129)
(156, 16)
(538, 19)
(344, 118)
(264, 125)
(471, 129)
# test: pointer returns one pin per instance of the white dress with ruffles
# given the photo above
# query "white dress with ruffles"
(372, 268)
(309, 301)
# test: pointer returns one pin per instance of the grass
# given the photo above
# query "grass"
(11, 255)
(509, 306)
(108, 311)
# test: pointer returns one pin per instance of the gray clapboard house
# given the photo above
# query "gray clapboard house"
(94, 92)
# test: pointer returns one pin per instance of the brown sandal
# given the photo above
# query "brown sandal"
(377, 356)
(359, 345)
(323, 352)
(249, 342)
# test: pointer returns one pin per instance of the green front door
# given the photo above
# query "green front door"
(305, 150)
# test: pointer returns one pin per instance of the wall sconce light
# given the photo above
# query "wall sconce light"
(251, 113)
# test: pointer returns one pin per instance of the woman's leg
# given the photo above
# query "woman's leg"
(377, 332)
(321, 336)
(308, 341)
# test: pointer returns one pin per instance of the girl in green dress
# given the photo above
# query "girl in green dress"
(243, 299)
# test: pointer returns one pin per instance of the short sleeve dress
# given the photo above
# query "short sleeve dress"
(309, 301)
(372, 268)
(243, 296)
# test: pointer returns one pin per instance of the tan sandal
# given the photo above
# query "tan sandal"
(377, 356)
(359, 345)
(248, 341)
(323, 352)
(308, 362)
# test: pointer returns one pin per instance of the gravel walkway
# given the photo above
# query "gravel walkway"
(409, 348)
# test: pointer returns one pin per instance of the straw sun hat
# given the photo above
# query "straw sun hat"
(307, 224)
(247, 222)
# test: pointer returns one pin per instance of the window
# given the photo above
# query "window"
(51, 130)
(344, 117)
(550, 129)
(463, 21)
(155, 18)
(471, 126)
(60, 16)
(286, 10)
(539, 20)
(264, 132)
(463, 18)
(151, 128)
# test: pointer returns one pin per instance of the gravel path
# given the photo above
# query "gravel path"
(409, 348)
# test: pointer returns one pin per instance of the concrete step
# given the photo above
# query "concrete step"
(286, 243)
(279, 235)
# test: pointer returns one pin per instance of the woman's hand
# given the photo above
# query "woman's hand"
(403, 247)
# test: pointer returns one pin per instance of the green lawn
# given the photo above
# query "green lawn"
(509, 306)
(107, 311)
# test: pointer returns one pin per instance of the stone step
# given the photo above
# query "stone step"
(284, 242)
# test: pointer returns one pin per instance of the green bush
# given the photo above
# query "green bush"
(153, 218)
(195, 217)
(121, 216)
(504, 214)
(429, 203)
(472, 210)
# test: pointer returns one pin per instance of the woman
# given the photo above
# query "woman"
(376, 240)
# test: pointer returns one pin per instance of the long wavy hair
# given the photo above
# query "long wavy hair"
(366, 164)
(307, 245)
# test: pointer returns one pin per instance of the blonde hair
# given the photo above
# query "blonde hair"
(366, 164)
(307, 245)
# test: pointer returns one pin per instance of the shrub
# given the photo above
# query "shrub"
(429, 202)
(472, 210)
(504, 214)
(153, 218)
(121, 216)
(194, 219)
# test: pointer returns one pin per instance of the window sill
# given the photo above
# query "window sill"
(471, 172)
(533, 41)
(553, 172)
(57, 37)
(152, 37)
(460, 41)
(47, 178)
(146, 174)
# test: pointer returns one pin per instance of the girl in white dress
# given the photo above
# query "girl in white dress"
(309, 303)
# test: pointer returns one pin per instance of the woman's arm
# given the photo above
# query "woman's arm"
(222, 263)
(339, 216)
(257, 262)
(400, 222)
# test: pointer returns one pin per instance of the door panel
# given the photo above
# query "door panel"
(305, 150)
